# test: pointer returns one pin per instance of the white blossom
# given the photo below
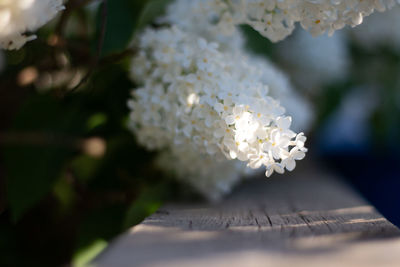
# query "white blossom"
(280, 88)
(210, 19)
(17, 17)
(192, 93)
(210, 177)
(276, 19)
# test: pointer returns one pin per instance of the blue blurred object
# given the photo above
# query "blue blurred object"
(345, 143)
(376, 177)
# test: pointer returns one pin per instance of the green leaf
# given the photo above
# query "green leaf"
(151, 11)
(85, 256)
(120, 23)
(100, 223)
(31, 174)
(96, 120)
(85, 167)
(256, 43)
(65, 194)
(146, 204)
(123, 19)
(43, 133)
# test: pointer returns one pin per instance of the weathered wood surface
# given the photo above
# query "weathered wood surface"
(307, 218)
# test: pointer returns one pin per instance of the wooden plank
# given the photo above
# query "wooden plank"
(307, 218)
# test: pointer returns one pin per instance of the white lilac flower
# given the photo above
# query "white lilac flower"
(280, 88)
(17, 17)
(276, 19)
(201, 17)
(381, 29)
(315, 61)
(210, 19)
(193, 93)
(210, 177)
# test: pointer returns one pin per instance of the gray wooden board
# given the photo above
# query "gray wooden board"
(306, 218)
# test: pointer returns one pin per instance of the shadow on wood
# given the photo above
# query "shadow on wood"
(307, 218)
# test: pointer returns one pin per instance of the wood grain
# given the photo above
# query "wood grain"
(307, 218)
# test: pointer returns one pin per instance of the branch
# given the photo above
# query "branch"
(93, 146)
(70, 6)
(99, 46)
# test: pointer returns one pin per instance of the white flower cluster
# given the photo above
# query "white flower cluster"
(201, 17)
(315, 61)
(212, 178)
(276, 19)
(204, 101)
(205, 18)
(280, 88)
(20, 16)
(193, 93)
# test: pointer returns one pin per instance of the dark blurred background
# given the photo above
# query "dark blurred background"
(72, 176)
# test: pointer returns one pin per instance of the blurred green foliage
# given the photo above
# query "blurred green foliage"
(63, 202)
(34, 166)
(122, 17)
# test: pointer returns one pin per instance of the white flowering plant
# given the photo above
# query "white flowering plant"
(195, 93)
(112, 106)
